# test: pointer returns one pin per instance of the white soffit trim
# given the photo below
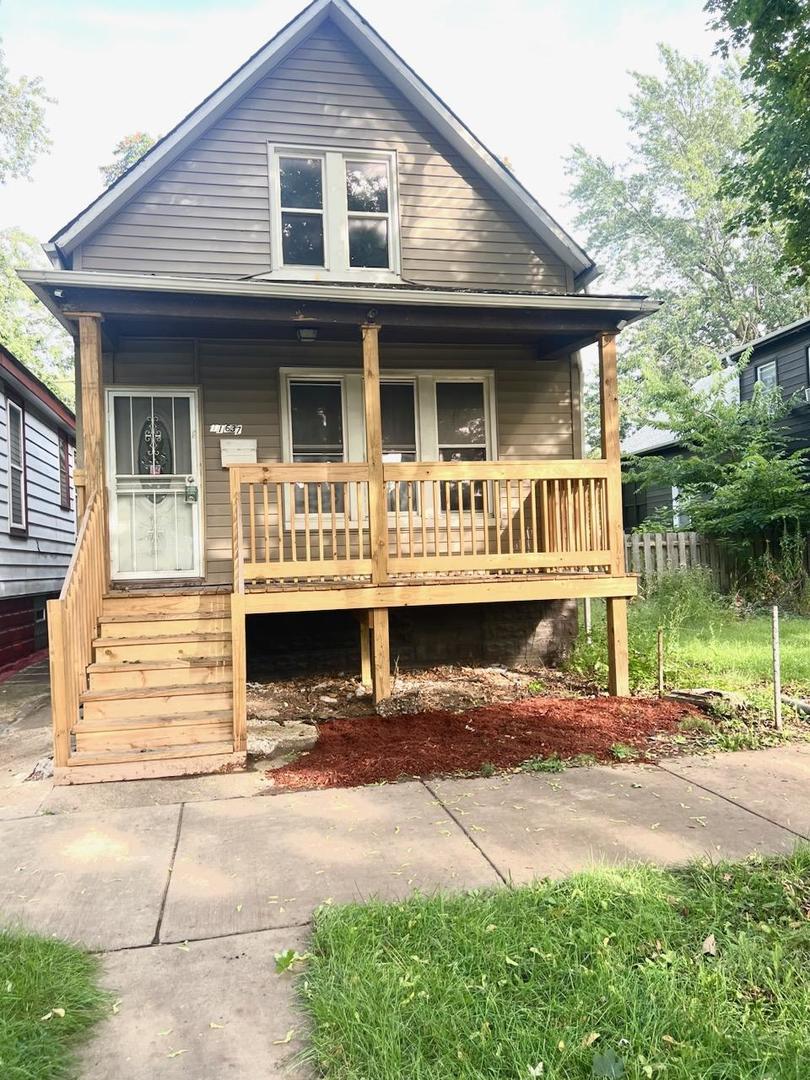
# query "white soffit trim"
(43, 280)
(376, 49)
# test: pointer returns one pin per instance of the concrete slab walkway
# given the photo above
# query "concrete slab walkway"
(190, 900)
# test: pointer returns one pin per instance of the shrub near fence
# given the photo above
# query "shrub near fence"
(653, 554)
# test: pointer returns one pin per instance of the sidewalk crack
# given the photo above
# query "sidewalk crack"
(156, 938)
(731, 801)
(466, 833)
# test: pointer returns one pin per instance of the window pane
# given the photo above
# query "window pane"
(398, 418)
(460, 414)
(368, 242)
(766, 375)
(468, 489)
(302, 239)
(317, 421)
(367, 186)
(301, 183)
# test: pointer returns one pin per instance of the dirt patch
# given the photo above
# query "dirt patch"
(444, 688)
(368, 749)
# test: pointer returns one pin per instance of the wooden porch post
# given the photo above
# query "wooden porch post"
(365, 648)
(377, 513)
(618, 663)
(91, 381)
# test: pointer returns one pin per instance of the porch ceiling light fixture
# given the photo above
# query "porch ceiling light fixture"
(307, 333)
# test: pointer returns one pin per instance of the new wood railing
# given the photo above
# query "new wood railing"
(296, 522)
(73, 624)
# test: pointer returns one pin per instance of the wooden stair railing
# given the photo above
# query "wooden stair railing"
(72, 625)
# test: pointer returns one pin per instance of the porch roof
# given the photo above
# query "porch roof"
(210, 307)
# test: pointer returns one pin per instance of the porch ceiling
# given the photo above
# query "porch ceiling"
(210, 309)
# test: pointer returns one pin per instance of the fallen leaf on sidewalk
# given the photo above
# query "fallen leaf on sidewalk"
(287, 1038)
(176, 1053)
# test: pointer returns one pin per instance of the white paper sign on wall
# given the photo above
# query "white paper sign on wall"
(238, 451)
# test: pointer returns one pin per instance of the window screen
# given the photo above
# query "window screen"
(316, 418)
(462, 430)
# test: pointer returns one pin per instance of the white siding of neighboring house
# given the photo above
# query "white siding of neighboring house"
(36, 563)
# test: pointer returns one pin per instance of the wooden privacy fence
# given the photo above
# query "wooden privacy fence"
(653, 554)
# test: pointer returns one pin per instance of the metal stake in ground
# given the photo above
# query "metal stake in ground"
(588, 623)
(660, 661)
(777, 669)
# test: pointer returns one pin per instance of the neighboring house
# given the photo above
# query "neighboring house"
(329, 362)
(37, 512)
(782, 358)
(660, 501)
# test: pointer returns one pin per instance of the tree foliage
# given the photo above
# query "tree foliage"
(737, 477)
(772, 174)
(660, 221)
(27, 328)
(23, 133)
(125, 153)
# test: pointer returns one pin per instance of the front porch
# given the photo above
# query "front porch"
(148, 677)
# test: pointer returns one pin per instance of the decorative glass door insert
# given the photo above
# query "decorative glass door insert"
(155, 484)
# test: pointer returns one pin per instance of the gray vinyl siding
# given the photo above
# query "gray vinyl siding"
(239, 382)
(34, 564)
(208, 213)
(793, 376)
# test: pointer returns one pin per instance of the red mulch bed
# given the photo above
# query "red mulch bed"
(364, 750)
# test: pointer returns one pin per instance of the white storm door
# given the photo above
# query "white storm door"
(154, 479)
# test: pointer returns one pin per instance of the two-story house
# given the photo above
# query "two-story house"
(328, 360)
(782, 358)
(37, 506)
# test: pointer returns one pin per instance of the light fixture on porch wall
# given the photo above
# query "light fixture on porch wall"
(307, 333)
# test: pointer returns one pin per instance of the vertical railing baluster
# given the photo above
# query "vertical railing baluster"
(266, 505)
(434, 484)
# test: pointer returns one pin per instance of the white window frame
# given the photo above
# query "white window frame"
(16, 470)
(426, 415)
(335, 217)
(762, 367)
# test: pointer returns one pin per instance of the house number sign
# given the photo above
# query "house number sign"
(225, 429)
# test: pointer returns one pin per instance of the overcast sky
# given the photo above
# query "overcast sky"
(530, 77)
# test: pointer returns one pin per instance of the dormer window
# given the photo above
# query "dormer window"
(333, 215)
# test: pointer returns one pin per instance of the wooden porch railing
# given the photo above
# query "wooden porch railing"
(72, 624)
(304, 521)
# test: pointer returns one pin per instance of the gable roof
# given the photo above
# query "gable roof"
(800, 326)
(390, 64)
(33, 390)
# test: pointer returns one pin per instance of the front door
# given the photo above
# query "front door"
(154, 474)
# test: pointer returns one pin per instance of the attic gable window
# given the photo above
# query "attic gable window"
(333, 215)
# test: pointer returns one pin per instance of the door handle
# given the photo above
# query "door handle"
(192, 491)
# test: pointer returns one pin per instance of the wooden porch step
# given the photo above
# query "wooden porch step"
(157, 701)
(144, 624)
(179, 646)
(159, 603)
(185, 760)
(154, 733)
(141, 673)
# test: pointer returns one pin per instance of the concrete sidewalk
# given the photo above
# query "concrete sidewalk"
(189, 900)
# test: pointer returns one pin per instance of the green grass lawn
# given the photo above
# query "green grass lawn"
(683, 975)
(49, 999)
(707, 643)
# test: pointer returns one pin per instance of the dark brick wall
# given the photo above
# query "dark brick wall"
(528, 633)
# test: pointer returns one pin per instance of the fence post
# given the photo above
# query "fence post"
(660, 643)
(777, 669)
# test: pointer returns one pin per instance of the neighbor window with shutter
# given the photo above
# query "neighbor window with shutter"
(64, 473)
(16, 466)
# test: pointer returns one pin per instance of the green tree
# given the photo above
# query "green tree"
(772, 174)
(27, 328)
(23, 133)
(738, 478)
(125, 153)
(660, 220)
